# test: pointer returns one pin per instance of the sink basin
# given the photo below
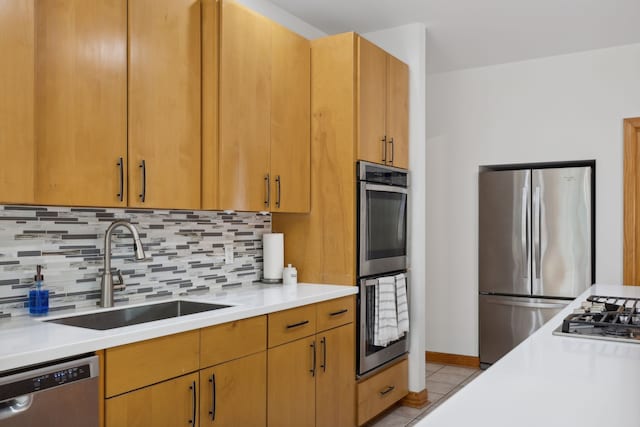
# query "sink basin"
(134, 315)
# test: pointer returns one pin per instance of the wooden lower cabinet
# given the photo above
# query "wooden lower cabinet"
(191, 379)
(170, 403)
(312, 380)
(335, 382)
(291, 386)
(233, 393)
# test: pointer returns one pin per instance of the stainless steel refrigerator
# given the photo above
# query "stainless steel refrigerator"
(535, 250)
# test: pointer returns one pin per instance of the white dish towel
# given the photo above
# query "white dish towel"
(385, 325)
(402, 305)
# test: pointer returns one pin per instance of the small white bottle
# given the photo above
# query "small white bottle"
(289, 275)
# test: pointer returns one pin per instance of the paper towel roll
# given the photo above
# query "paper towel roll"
(273, 255)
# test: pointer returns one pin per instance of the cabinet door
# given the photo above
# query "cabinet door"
(397, 113)
(164, 103)
(81, 88)
(166, 404)
(291, 387)
(245, 103)
(335, 384)
(16, 100)
(372, 71)
(290, 121)
(234, 393)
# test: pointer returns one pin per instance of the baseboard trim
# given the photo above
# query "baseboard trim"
(452, 359)
(416, 399)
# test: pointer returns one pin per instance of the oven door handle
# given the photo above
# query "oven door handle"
(385, 188)
(368, 283)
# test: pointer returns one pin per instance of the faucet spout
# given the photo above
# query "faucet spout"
(107, 278)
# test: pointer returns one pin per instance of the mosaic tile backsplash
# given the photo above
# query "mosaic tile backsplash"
(185, 253)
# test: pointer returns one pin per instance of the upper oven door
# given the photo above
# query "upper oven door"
(382, 228)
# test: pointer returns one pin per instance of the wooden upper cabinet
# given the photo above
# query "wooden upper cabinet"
(264, 114)
(397, 113)
(245, 103)
(383, 107)
(16, 100)
(164, 103)
(290, 121)
(81, 92)
(372, 72)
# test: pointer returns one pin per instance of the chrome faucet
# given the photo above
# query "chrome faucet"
(107, 285)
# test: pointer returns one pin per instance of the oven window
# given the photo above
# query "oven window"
(386, 222)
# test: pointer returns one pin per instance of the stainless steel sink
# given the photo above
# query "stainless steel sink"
(134, 315)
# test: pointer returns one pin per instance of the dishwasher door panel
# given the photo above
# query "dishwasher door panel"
(74, 405)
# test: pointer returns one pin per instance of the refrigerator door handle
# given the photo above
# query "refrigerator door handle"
(527, 304)
(525, 231)
(536, 232)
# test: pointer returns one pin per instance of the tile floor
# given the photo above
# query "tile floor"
(443, 381)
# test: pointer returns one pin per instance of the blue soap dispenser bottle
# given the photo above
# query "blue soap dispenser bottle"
(38, 296)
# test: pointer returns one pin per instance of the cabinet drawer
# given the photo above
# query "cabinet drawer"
(335, 313)
(381, 391)
(136, 365)
(232, 340)
(289, 325)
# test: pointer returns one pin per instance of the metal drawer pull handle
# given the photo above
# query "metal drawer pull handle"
(277, 191)
(339, 312)
(120, 164)
(313, 352)
(323, 341)
(387, 390)
(392, 151)
(384, 149)
(295, 325)
(192, 387)
(143, 167)
(267, 188)
(212, 412)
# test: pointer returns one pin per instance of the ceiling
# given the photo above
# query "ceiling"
(473, 33)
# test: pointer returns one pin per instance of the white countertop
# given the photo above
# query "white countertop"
(553, 380)
(26, 341)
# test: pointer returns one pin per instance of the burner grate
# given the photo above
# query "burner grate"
(617, 316)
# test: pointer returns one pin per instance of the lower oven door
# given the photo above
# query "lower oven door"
(371, 356)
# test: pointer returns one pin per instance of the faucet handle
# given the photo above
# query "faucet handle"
(119, 285)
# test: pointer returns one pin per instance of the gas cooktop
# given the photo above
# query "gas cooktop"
(605, 318)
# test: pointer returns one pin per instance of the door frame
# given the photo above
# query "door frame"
(631, 246)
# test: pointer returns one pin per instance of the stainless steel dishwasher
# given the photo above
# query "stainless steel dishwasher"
(63, 393)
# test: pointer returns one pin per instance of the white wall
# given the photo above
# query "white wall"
(407, 43)
(284, 18)
(566, 107)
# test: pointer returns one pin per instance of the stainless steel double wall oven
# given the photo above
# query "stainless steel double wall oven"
(382, 251)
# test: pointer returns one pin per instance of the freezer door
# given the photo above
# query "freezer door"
(504, 229)
(507, 321)
(561, 211)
